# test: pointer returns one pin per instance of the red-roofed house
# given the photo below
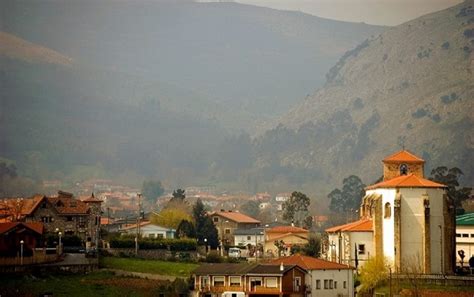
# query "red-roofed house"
(412, 219)
(289, 235)
(227, 222)
(12, 233)
(345, 240)
(323, 278)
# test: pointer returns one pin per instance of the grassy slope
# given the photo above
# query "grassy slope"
(149, 266)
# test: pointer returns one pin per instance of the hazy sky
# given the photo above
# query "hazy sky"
(380, 12)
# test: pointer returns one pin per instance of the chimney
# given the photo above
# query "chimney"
(281, 266)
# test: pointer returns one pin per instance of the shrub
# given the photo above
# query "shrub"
(419, 113)
(468, 33)
(373, 273)
(151, 244)
(447, 99)
(436, 118)
(445, 45)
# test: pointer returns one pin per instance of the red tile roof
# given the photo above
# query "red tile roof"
(35, 226)
(363, 225)
(67, 206)
(237, 217)
(406, 181)
(310, 263)
(403, 156)
(286, 229)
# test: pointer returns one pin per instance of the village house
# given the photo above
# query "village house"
(62, 213)
(287, 235)
(245, 280)
(323, 278)
(412, 220)
(149, 230)
(227, 222)
(14, 235)
(249, 237)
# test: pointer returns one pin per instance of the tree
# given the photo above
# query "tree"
(450, 177)
(295, 209)
(179, 194)
(280, 244)
(348, 199)
(186, 229)
(152, 189)
(170, 217)
(205, 228)
(250, 208)
(374, 272)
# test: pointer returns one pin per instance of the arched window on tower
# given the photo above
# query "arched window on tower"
(387, 212)
(403, 169)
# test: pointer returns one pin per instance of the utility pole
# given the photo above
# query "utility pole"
(138, 224)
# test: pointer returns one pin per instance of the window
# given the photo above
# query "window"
(159, 235)
(271, 282)
(215, 219)
(219, 281)
(297, 284)
(472, 235)
(249, 237)
(387, 211)
(335, 284)
(234, 280)
(69, 218)
(344, 285)
(330, 284)
(227, 231)
(326, 284)
(458, 235)
(43, 205)
(465, 235)
(318, 284)
(234, 294)
(204, 281)
(361, 249)
(403, 169)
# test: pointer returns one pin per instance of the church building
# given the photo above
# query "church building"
(406, 218)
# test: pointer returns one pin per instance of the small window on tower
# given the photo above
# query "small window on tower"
(403, 169)
(387, 211)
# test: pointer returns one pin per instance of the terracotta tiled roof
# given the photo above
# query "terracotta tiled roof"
(363, 225)
(406, 181)
(224, 268)
(286, 235)
(35, 226)
(403, 156)
(237, 217)
(286, 229)
(67, 206)
(310, 263)
(133, 226)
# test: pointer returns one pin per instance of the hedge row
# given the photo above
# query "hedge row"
(152, 244)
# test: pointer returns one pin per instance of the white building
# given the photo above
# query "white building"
(465, 237)
(253, 236)
(351, 243)
(150, 230)
(323, 278)
(412, 218)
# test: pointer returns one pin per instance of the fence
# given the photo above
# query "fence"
(38, 257)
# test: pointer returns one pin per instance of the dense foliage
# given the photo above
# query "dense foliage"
(146, 243)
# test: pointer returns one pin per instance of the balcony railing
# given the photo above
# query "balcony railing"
(254, 289)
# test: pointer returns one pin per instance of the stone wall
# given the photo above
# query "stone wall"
(155, 254)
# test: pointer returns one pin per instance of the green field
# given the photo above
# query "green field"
(149, 266)
(93, 284)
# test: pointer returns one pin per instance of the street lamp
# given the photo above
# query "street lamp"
(21, 251)
(205, 244)
(60, 246)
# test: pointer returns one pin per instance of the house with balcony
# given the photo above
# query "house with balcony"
(227, 222)
(464, 237)
(249, 280)
(323, 278)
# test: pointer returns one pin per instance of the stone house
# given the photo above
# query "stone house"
(227, 222)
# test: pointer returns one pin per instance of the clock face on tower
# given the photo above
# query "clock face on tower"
(403, 169)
